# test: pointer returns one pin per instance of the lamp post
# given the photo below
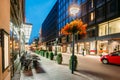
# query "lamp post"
(73, 10)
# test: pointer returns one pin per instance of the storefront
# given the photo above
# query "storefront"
(102, 47)
(110, 40)
(80, 47)
(64, 48)
(92, 50)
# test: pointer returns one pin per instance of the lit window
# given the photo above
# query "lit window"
(91, 3)
(92, 16)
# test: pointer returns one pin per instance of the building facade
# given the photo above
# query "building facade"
(103, 30)
(4, 24)
(27, 27)
(103, 19)
(49, 30)
(11, 15)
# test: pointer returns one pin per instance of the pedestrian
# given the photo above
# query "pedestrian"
(83, 52)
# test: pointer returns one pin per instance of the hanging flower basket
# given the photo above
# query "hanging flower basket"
(76, 26)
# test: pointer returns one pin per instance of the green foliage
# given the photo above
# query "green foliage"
(59, 58)
(47, 54)
(51, 56)
(37, 51)
(75, 62)
(42, 52)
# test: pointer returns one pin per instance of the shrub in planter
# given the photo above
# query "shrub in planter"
(59, 58)
(47, 54)
(74, 62)
(40, 52)
(43, 53)
(37, 51)
(51, 55)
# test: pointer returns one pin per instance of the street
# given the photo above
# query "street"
(92, 67)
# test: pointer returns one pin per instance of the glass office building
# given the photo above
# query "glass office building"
(103, 19)
(103, 30)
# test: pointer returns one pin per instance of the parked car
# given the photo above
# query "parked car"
(113, 58)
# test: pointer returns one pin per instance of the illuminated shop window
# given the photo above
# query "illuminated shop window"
(110, 27)
(114, 27)
(103, 29)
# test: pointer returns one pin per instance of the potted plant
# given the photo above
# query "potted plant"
(51, 56)
(74, 62)
(47, 54)
(59, 58)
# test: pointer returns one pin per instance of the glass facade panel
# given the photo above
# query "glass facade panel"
(91, 4)
(114, 27)
(110, 27)
(103, 29)
(91, 16)
(92, 47)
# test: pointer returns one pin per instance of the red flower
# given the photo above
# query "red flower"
(75, 26)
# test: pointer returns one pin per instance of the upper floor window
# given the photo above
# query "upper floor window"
(91, 32)
(84, 9)
(92, 16)
(114, 26)
(100, 12)
(91, 4)
(103, 29)
(100, 2)
(111, 6)
(110, 27)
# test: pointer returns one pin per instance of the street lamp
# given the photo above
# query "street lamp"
(73, 10)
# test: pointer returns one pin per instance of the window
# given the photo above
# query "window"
(110, 27)
(101, 13)
(91, 16)
(85, 19)
(103, 29)
(84, 9)
(114, 27)
(100, 2)
(111, 7)
(91, 4)
(91, 32)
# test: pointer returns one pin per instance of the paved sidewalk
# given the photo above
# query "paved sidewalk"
(17, 73)
(53, 71)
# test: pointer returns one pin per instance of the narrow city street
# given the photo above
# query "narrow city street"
(50, 70)
(91, 66)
